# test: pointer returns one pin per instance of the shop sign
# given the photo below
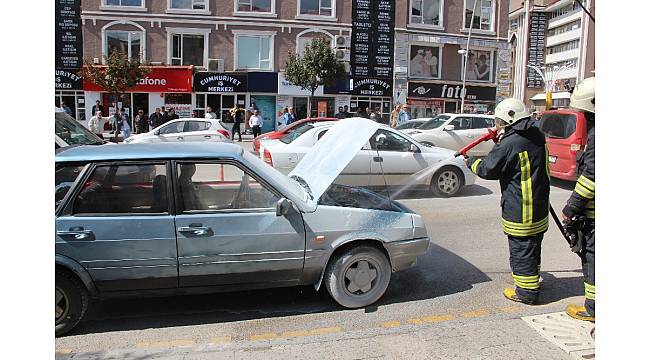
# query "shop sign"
(373, 37)
(536, 49)
(182, 110)
(68, 34)
(451, 91)
(67, 80)
(372, 87)
(285, 87)
(161, 79)
(220, 82)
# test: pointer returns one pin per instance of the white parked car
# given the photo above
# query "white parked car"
(184, 130)
(454, 131)
(389, 159)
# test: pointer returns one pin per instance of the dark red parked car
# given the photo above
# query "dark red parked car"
(280, 133)
(566, 134)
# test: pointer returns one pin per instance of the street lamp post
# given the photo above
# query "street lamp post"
(465, 54)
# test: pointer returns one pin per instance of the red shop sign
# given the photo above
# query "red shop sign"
(161, 79)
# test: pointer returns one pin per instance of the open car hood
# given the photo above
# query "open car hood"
(332, 153)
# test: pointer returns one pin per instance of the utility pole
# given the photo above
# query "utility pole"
(466, 55)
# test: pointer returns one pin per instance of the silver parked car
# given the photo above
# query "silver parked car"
(160, 219)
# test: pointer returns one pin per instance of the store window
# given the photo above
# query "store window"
(316, 7)
(134, 3)
(479, 65)
(127, 42)
(483, 14)
(425, 61)
(220, 103)
(367, 105)
(254, 52)
(189, 4)
(426, 12)
(188, 49)
(74, 101)
(256, 6)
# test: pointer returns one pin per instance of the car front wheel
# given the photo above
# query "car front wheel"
(358, 277)
(447, 181)
(71, 302)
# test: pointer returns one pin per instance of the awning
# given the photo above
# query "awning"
(555, 95)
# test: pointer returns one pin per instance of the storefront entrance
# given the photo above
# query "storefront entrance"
(371, 104)
(220, 103)
(74, 100)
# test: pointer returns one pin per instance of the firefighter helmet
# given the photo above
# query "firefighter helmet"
(510, 111)
(583, 96)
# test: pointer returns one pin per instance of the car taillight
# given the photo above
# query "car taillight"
(224, 133)
(267, 157)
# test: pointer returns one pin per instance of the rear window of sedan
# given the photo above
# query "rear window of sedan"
(290, 137)
(434, 123)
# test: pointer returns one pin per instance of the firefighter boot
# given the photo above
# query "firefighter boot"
(579, 312)
(511, 294)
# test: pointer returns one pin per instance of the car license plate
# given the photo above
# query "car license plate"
(552, 159)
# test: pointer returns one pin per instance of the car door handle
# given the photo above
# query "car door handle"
(76, 234)
(471, 136)
(207, 136)
(195, 230)
(378, 159)
(179, 138)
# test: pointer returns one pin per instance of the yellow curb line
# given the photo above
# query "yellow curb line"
(221, 339)
(165, 344)
(475, 313)
(64, 351)
(390, 324)
(267, 336)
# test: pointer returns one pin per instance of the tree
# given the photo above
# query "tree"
(119, 75)
(317, 66)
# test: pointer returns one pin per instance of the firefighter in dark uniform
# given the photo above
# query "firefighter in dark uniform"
(583, 198)
(520, 162)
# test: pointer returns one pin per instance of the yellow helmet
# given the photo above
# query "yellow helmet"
(583, 96)
(511, 110)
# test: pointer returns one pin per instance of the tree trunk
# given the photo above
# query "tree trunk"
(309, 102)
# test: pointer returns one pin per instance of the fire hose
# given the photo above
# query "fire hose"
(570, 230)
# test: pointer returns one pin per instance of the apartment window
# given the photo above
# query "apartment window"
(571, 63)
(127, 42)
(188, 49)
(426, 12)
(483, 14)
(136, 3)
(570, 45)
(259, 6)
(254, 52)
(563, 10)
(514, 24)
(564, 28)
(316, 7)
(188, 4)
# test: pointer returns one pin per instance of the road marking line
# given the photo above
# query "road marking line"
(63, 351)
(475, 313)
(165, 343)
(299, 333)
(221, 339)
(267, 336)
(390, 324)
(437, 318)
(323, 331)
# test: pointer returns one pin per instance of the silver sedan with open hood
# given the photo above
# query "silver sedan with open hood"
(161, 219)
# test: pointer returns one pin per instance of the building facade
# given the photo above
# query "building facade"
(233, 52)
(552, 48)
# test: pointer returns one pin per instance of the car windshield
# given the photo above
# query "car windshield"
(72, 132)
(434, 123)
(290, 137)
(558, 126)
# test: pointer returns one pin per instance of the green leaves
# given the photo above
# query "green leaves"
(317, 66)
(119, 75)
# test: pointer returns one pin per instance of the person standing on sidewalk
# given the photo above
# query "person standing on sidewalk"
(125, 124)
(117, 119)
(156, 119)
(292, 116)
(583, 199)
(172, 115)
(403, 115)
(256, 122)
(141, 122)
(96, 124)
(520, 162)
(238, 117)
(209, 114)
(393, 116)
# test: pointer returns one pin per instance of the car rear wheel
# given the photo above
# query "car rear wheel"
(447, 181)
(70, 300)
(358, 277)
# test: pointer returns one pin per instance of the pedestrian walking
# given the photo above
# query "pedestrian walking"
(238, 118)
(141, 122)
(393, 116)
(125, 124)
(156, 119)
(403, 115)
(583, 199)
(209, 114)
(96, 124)
(520, 162)
(117, 120)
(256, 123)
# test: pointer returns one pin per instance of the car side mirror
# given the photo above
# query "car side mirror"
(414, 149)
(449, 127)
(283, 207)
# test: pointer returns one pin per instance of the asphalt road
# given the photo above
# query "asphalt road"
(459, 279)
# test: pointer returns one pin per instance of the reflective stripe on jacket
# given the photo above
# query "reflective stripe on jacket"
(520, 163)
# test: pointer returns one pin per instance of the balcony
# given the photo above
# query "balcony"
(566, 18)
(563, 37)
(562, 56)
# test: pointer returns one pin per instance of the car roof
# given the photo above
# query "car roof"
(144, 151)
(468, 115)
